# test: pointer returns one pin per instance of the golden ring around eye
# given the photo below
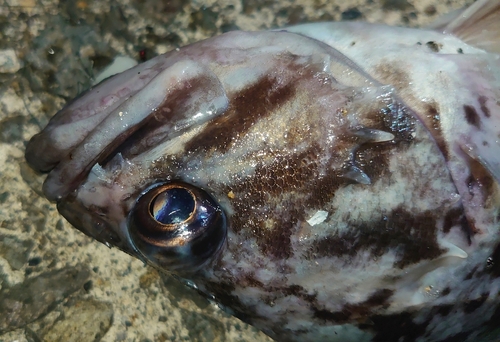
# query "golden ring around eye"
(177, 227)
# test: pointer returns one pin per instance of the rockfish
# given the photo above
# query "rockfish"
(322, 182)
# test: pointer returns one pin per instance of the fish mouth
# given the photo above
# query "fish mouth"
(128, 114)
(71, 125)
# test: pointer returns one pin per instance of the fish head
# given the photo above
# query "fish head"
(271, 173)
(239, 136)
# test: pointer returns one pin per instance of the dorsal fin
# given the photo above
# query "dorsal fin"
(477, 25)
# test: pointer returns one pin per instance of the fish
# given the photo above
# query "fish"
(326, 182)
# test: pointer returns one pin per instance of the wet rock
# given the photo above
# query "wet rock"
(204, 19)
(15, 250)
(203, 327)
(86, 320)
(430, 10)
(351, 14)
(9, 63)
(25, 302)
(396, 5)
(255, 5)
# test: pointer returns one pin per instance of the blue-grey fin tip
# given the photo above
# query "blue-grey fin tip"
(372, 135)
(357, 175)
(477, 25)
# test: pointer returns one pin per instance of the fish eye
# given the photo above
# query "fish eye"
(177, 227)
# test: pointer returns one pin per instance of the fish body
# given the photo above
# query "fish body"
(330, 181)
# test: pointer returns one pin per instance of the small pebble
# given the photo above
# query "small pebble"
(351, 14)
(9, 63)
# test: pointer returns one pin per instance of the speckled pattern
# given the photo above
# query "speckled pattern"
(49, 52)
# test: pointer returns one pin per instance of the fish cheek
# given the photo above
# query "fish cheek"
(91, 221)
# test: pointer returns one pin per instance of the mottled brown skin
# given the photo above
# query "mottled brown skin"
(353, 212)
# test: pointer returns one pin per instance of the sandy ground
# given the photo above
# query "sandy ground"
(55, 283)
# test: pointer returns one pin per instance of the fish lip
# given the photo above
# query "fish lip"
(69, 163)
(97, 226)
(35, 147)
(184, 94)
(70, 127)
(41, 143)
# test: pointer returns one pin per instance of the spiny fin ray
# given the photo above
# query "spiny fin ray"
(356, 174)
(371, 135)
(478, 25)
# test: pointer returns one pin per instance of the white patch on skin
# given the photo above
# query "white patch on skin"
(319, 217)
(241, 78)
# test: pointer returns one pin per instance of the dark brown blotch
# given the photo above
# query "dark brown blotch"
(328, 316)
(456, 217)
(380, 298)
(286, 172)
(249, 280)
(444, 309)
(323, 189)
(276, 195)
(397, 327)
(471, 116)
(276, 241)
(389, 73)
(494, 264)
(451, 219)
(404, 327)
(433, 46)
(273, 237)
(266, 192)
(474, 304)
(257, 101)
(412, 236)
(484, 108)
(352, 312)
(463, 336)
(434, 123)
(481, 178)
(471, 273)
(432, 111)
(373, 159)
(495, 318)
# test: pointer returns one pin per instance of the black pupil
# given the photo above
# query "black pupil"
(172, 206)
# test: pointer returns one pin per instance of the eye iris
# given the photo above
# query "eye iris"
(177, 227)
(173, 206)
